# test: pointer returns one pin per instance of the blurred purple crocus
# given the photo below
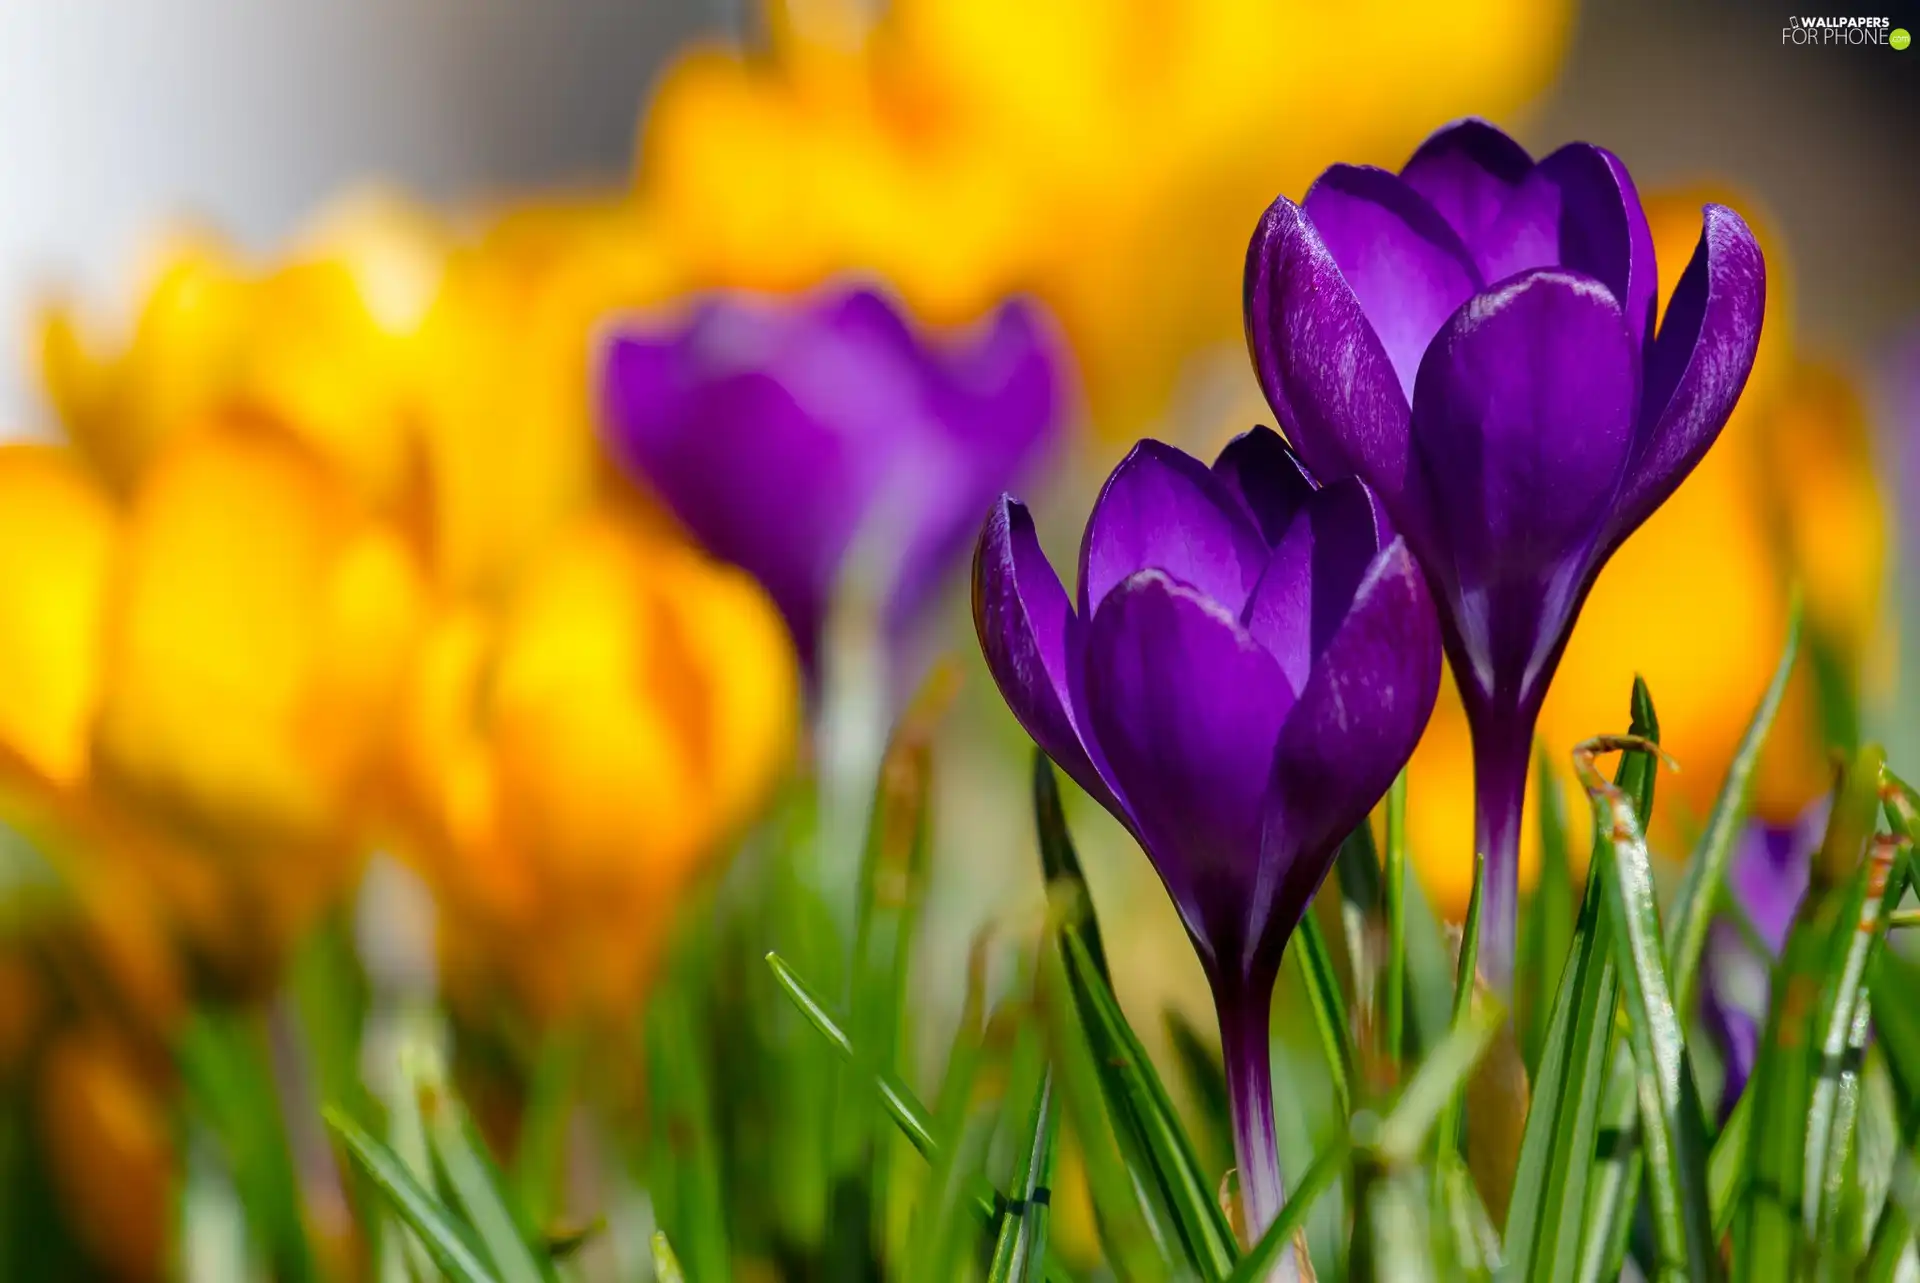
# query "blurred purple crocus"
(1474, 337)
(789, 435)
(1249, 661)
(1766, 879)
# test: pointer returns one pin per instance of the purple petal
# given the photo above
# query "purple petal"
(757, 479)
(1699, 364)
(1769, 872)
(1162, 510)
(1030, 638)
(1186, 706)
(1267, 477)
(1321, 365)
(1029, 635)
(1353, 727)
(1522, 421)
(1312, 576)
(1405, 264)
(998, 403)
(1468, 171)
(1580, 210)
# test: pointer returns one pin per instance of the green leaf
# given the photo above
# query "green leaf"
(1059, 863)
(1020, 1251)
(1550, 915)
(430, 1222)
(666, 1266)
(541, 1148)
(1434, 1092)
(909, 1115)
(1544, 1222)
(1326, 1171)
(1700, 886)
(1206, 1081)
(1309, 948)
(1775, 1223)
(1466, 976)
(964, 1119)
(226, 1066)
(912, 1118)
(1164, 1155)
(1727, 1166)
(1394, 1001)
(1172, 1198)
(1836, 1094)
(1671, 1130)
(691, 1199)
(478, 1187)
(1135, 1232)
(893, 879)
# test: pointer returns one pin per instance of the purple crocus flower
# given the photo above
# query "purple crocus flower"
(1474, 337)
(787, 434)
(1767, 879)
(1249, 661)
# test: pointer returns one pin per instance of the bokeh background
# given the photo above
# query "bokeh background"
(504, 178)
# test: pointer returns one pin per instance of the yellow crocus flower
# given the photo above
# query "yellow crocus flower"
(1108, 156)
(316, 342)
(1697, 600)
(506, 418)
(570, 757)
(213, 657)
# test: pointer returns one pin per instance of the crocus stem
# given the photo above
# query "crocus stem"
(1246, 1047)
(1502, 752)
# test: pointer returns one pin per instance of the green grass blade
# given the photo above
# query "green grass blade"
(226, 1065)
(1699, 893)
(541, 1148)
(432, 1224)
(1020, 1251)
(1671, 1131)
(1394, 1001)
(1326, 1171)
(908, 1113)
(666, 1266)
(1176, 1201)
(691, 1199)
(1135, 1232)
(1773, 1227)
(1059, 862)
(964, 1118)
(892, 885)
(1544, 1223)
(1836, 1094)
(1206, 1082)
(1134, 1090)
(1550, 916)
(1328, 1007)
(1727, 1166)
(478, 1189)
(1435, 1089)
(1466, 976)
(912, 1118)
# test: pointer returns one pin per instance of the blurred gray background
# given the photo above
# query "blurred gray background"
(250, 112)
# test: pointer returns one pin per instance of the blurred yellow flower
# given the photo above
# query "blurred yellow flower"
(1696, 602)
(283, 470)
(570, 757)
(208, 665)
(506, 417)
(1110, 157)
(316, 343)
